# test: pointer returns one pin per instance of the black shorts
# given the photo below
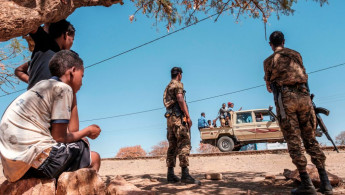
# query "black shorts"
(62, 158)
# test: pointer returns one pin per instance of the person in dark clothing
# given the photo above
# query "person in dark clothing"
(48, 40)
(60, 37)
(286, 77)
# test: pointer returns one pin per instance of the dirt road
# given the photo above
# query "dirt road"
(242, 174)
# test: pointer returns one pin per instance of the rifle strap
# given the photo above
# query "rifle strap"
(281, 106)
(277, 92)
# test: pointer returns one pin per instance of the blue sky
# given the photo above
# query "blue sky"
(216, 57)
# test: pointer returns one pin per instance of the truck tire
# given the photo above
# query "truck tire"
(225, 144)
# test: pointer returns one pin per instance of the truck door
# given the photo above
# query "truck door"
(266, 126)
(244, 126)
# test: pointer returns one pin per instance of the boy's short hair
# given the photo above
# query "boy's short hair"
(277, 38)
(64, 60)
(61, 27)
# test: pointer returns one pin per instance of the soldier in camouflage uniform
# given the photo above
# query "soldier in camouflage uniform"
(178, 123)
(286, 77)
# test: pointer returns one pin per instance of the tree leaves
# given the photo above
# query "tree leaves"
(11, 55)
(176, 11)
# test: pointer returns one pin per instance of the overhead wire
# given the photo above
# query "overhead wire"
(203, 99)
(160, 108)
(134, 48)
(330, 67)
(154, 40)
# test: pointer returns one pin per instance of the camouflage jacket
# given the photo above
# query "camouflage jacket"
(169, 97)
(285, 67)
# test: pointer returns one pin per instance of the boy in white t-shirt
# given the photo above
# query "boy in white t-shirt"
(34, 136)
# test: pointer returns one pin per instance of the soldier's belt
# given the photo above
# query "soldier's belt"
(168, 113)
(295, 88)
(292, 88)
(172, 112)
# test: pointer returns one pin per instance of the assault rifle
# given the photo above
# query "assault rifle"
(320, 123)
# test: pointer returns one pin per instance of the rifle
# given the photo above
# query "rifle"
(320, 123)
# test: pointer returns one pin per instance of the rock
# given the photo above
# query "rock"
(287, 173)
(213, 176)
(273, 177)
(154, 180)
(268, 181)
(120, 186)
(146, 176)
(313, 174)
(30, 186)
(80, 182)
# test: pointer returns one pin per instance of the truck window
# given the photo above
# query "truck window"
(244, 117)
(263, 117)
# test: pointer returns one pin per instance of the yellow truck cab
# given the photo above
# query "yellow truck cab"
(247, 126)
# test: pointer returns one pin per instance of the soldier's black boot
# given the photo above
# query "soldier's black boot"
(172, 178)
(326, 187)
(186, 178)
(306, 187)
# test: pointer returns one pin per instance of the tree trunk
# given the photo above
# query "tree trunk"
(19, 17)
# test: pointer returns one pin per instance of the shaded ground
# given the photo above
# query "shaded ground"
(242, 174)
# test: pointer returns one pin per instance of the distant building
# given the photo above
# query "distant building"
(277, 145)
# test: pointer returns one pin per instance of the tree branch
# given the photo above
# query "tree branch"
(18, 18)
(221, 11)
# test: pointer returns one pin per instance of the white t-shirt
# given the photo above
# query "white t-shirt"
(25, 137)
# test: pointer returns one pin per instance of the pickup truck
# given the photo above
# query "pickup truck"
(246, 127)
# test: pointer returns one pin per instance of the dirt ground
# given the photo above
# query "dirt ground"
(242, 174)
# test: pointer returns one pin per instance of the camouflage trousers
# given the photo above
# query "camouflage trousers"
(300, 124)
(179, 142)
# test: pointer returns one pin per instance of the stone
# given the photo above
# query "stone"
(213, 176)
(154, 180)
(273, 177)
(30, 186)
(119, 186)
(146, 176)
(287, 173)
(80, 182)
(268, 181)
(313, 174)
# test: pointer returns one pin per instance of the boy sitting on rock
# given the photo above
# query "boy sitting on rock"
(34, 136)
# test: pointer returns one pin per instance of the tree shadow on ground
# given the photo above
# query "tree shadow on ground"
(232, 183)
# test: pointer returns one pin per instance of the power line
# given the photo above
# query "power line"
(203, 99)
(238, 91)
(122, 115)
(134, 48)
(161, 108)
(323, 69)
(342, 64)
(154, 40)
